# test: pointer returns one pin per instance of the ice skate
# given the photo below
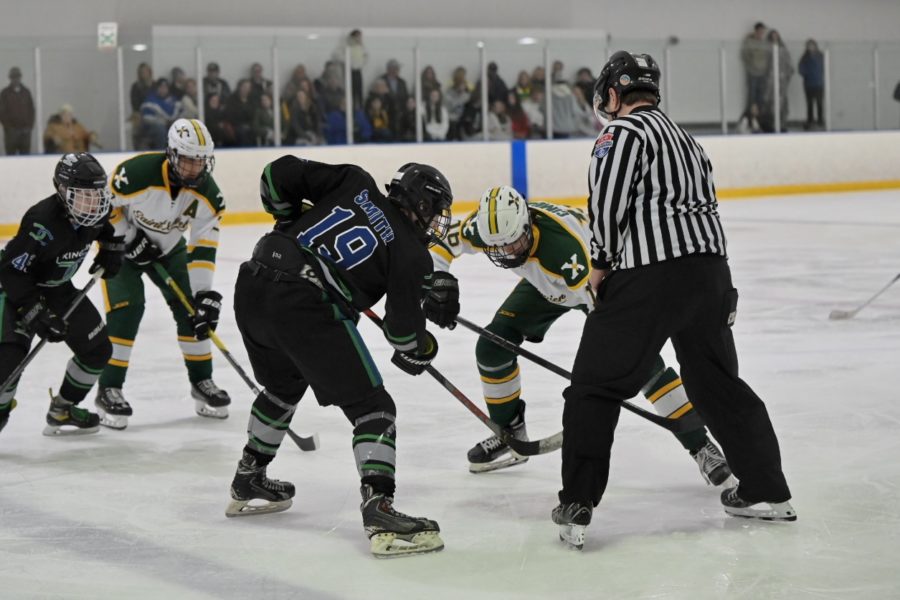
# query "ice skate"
(4, 413)
(209, 400)
(251, 484)
(492, 454)
(713, 466)
(393, 533)
(112, 407)
(765, 511)
(65, 418)
(572, 518)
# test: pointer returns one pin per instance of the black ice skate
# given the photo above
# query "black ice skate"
(713, 466)
(765, 511)
(385, 526)
(65, 418)
(209, 400)
(4, 413)
(250, 483)
(112, 407)
(572, 519)
(492, 454)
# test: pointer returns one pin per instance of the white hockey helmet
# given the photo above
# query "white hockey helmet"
(190, 152)
(504, 225)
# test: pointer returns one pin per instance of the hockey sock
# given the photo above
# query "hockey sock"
(270, 418)
(374, 447)
(665, 391)
(122, 326)
(79, 379)
(197, 357)
(501, 387)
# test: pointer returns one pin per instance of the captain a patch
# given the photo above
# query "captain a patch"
(603, 145)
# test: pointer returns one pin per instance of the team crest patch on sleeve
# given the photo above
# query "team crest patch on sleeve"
(603, 144)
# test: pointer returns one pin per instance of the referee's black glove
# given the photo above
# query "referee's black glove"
(413, 362)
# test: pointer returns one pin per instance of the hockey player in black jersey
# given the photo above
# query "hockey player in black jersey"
(337, 248)
(36, 268)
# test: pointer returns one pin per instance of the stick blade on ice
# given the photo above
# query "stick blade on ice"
(837, 315)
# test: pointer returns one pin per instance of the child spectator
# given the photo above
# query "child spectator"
(523, 85)
(380, 121)
(499, 123)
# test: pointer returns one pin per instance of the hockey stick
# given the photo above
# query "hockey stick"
(307, 444)
(849, 314)
(75, 302)
(673, 425)
(524, 448)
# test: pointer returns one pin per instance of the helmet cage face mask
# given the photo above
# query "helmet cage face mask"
(87, 206)
(512, 255)
(424, 193)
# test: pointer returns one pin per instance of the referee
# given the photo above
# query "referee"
(660, 272)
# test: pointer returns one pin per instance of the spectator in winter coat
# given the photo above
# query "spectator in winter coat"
(219, 128)
(178, 83)
(263, 123)
(289, 91)
(523, 86)
(406, 126)
(213, 85)
(16, 114)
(497, 89)
(380, 120)
(785, 72)
(429, 81)
(499, 123)
(455, 99)
(64, 134)
(812, 70)
(755, 52)
(565, 123)
(396, 90)
(336, 125)
(239, 113)
(436, 120)
(189, 108)
(305, 128)
(158, 112)
(259, 85)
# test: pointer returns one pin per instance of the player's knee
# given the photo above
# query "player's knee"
(98, 354)
(489, 354)
(377, 405)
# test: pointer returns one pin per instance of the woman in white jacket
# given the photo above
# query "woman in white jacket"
(435, 118)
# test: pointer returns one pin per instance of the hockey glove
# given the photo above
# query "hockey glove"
(38, 319)
(142, 251)
(441, 303)
(206, 313)
(110, 257)
(413, 362)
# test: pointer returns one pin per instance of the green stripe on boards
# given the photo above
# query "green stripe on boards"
(371, 437)
(273, 423)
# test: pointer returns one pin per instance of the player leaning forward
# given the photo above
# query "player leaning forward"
(546, 245)
(338, 247)
(157, 196)
(36, 268)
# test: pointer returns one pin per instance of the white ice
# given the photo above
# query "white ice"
(140, 513)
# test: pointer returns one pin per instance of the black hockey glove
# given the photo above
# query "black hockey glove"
(441, 303)
(142, 251)
(413, 362)
(110, 257)
(38, 319)
(206, 313)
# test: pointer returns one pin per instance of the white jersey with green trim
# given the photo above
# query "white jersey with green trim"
(142, 199)
(558, 264)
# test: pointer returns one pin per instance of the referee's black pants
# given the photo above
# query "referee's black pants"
(687, 300)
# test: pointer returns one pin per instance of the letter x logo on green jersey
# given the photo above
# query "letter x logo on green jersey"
(574, 266)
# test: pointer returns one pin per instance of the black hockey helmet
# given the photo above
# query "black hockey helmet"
(80, 183)
(625, 72)
(424, 192)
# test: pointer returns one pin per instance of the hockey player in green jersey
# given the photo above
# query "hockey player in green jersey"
(545, 244)
(157, 196)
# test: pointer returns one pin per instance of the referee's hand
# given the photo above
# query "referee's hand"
(597, 276)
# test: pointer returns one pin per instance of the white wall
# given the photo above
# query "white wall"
(556, 169)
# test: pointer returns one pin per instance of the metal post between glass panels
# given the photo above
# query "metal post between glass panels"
(484, 95)
(548, 92)
(38, 101)
(827, 110)
(348, 94)
(201, 99)
(120, 97)
(667, 66)
(722, 90)
(276, 100)
(776, 87)
(876, 88)
(417, 91)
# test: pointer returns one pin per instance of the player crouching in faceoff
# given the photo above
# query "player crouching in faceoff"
(546, 245)
(36, 268)
(156, 197)
(338, 246)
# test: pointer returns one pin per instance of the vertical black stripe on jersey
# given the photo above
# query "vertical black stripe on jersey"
(614, 200)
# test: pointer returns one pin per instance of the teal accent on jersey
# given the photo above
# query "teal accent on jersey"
(2, 311)
(363, 352)
(271, 201)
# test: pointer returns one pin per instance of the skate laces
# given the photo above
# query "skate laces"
(709, 458)
(491, 443)
(114, 397)
(208, 387)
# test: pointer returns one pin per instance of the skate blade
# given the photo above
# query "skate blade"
(572, 536)
(112, 421)
(243, 508)
(765, 511)
(67, 430)
(512, 460)
(214, 412)
(393, 545)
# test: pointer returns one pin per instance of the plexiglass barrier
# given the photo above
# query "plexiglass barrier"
(278, 86)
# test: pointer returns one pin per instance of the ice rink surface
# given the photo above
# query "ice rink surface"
(140, 513)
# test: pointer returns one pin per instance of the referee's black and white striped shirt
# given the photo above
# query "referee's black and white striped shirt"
(652, 196)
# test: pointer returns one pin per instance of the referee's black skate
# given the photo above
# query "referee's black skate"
(251, 484)
(492, 454)
(112, 407)
(65, 418)
(386, 526)
(572, 518)
(4, 412)
(765, 511)
(209, 399)
(713, 466)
